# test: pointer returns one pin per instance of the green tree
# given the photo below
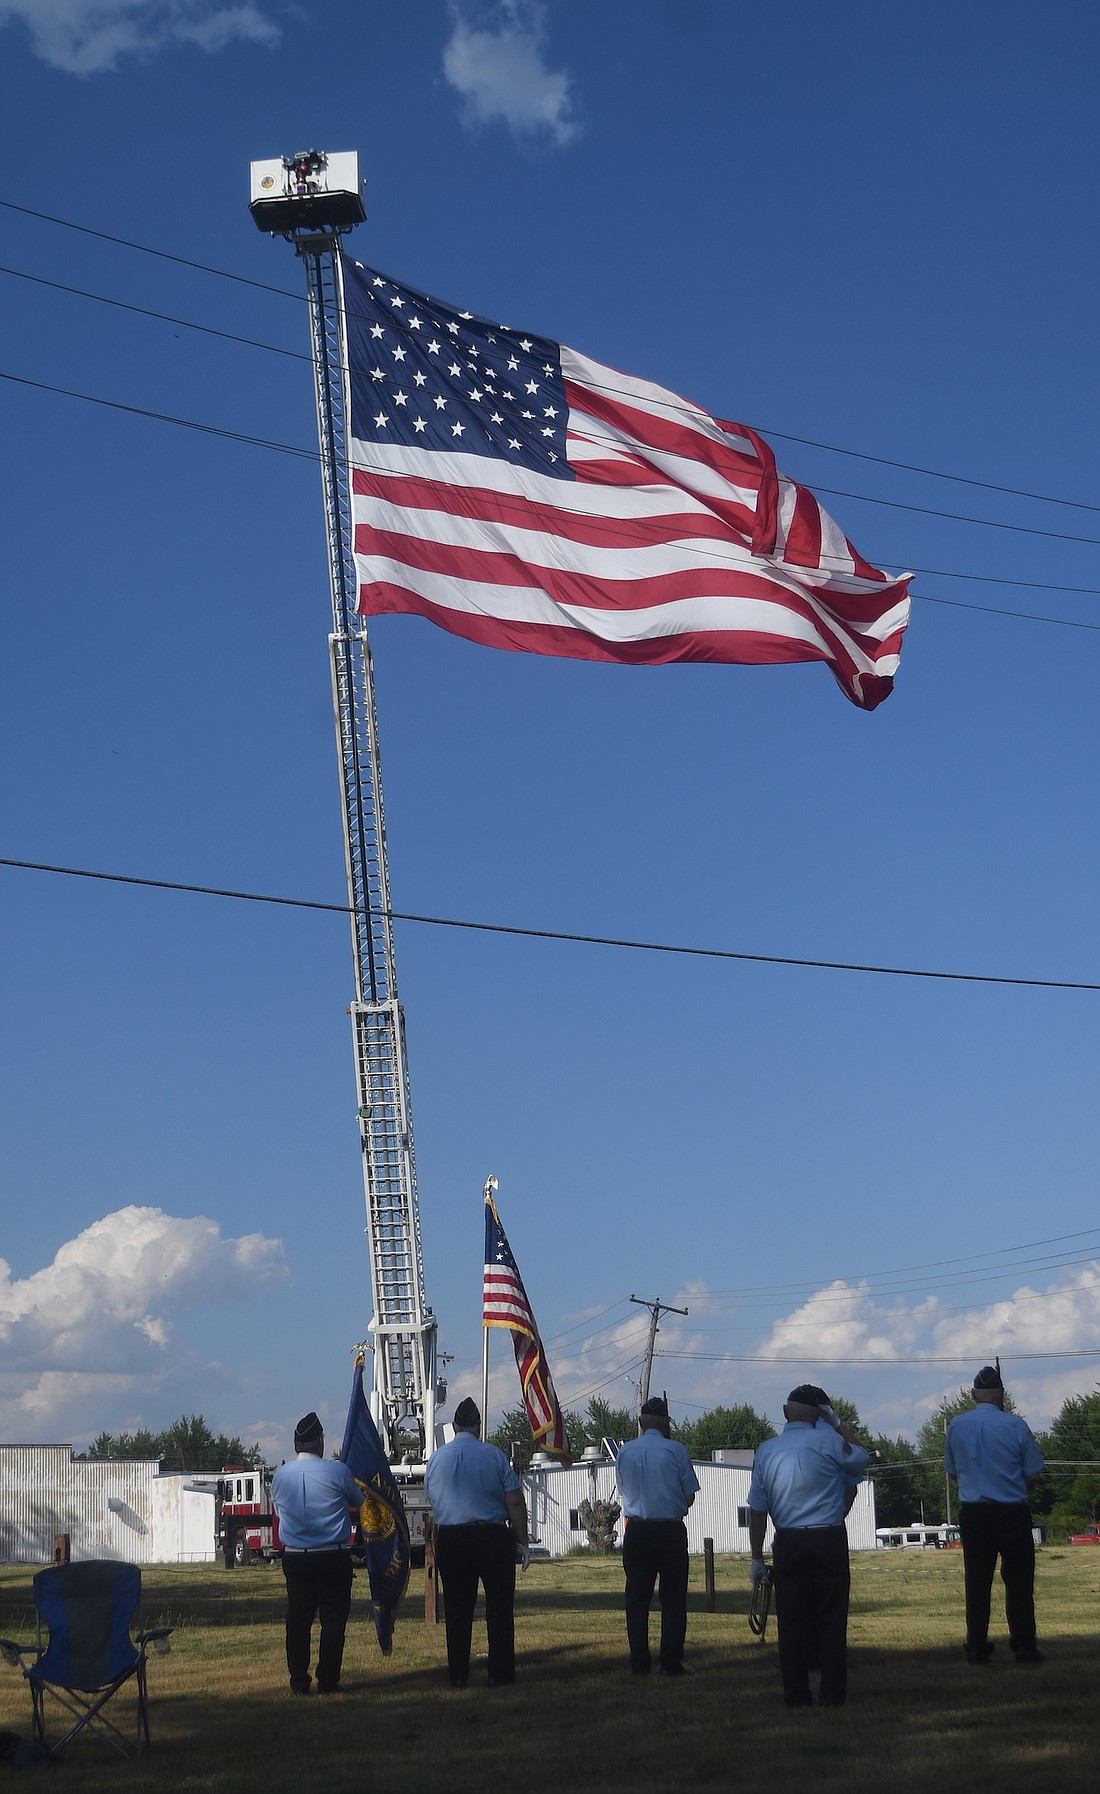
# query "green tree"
(848, 1415)
(142, 1444)
(188, 1444)
(905, 1488)
(604, 1422)
(515, 1430)
(739, 1428)
(1068, 1492)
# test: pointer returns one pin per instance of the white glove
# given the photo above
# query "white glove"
(523, 1556)
(827, 1414)
(758, 1569)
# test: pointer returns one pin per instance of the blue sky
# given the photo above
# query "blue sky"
(859, 225)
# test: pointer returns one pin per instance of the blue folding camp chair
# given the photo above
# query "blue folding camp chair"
(88, 1610)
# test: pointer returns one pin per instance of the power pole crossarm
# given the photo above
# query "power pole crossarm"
(656, 1309)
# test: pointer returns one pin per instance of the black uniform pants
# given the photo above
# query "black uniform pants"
(317, 1583)
(992, 1529)
(812, 1583)
(655, 1553)
(467, 1555)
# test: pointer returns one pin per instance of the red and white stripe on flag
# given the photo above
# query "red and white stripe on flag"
(505, 1304)
(652, 532)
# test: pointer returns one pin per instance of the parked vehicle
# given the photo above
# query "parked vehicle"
(918, 1537)
(1090, 1536)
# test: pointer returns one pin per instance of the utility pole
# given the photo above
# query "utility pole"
(946, 1478)
(656, 1309)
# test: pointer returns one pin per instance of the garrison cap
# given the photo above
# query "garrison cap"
(307, 1432)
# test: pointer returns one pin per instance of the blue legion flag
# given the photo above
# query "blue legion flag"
(382, 1515)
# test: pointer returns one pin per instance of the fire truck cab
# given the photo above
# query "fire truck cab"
(246, 1527)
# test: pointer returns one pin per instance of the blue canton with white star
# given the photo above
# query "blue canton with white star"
(427, 377)
(497, 1249)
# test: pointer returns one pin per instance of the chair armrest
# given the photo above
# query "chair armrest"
(158, 1638)
(14, 1653)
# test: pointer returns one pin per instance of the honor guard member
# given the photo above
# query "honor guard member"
(657, 1485)
(996, 1462)
(480, 1535)
(806, 1479)
(312, 1495)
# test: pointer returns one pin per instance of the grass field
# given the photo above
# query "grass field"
(918, 1716)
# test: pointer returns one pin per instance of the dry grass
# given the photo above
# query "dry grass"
(918, 1716)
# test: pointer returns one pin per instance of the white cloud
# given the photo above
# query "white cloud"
(91, 37)
(843, 1321)
(497, 65)
(98, 1322)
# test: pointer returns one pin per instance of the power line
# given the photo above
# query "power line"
(932, 473)
(897, 504)
(871, 1363)
(285, 448)
(831, 491)
(781, 435)
(163, 255)
(933, 1264)
(163, 417)
(162, 317)
(558, 934)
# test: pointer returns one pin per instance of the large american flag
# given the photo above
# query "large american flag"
(523, 496)
(506, 1305)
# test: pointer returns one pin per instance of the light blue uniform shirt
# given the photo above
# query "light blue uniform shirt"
(467, 1481)
(655, 1477)
(801, 1478)
(992, 1454)
(311, 1496)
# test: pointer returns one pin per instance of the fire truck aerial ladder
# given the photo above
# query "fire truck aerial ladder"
(312, 199)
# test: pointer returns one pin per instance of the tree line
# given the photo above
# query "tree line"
(188, 1444)
(909, 1479)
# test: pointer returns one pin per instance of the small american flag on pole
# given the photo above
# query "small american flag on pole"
(523, 496)
(506, 1305)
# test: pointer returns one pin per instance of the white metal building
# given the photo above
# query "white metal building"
(126, 1510)
(719, 1511)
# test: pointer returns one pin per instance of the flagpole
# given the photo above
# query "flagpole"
(491, 1184)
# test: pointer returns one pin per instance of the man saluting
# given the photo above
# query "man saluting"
(806, 1479)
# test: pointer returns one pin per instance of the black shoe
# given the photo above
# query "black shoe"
(300, 1688)
(1029, 1654)
(639, 1669)
(799, 1700)
(978, 1653)
(674, 1669)
(458, 1682)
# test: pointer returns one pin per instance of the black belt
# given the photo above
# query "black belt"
(458, 1525)
(312, 1550)
(830, 1526)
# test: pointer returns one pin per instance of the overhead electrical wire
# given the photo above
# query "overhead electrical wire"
(931, 1264)
(1007, 1358)
(831, 491)
(932, 473)
(559, 934)
(783, 435)
(284, 448)
(786, 436)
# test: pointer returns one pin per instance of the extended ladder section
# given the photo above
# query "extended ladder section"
(403, 1326)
